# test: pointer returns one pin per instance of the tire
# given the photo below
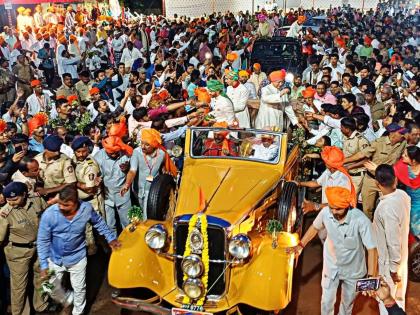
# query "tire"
(287, 212)
(414, 263)
(161, 193)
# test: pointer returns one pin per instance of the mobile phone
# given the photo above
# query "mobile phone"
(368, 284)
(18, 149)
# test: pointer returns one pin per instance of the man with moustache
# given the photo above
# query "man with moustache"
(349, 233)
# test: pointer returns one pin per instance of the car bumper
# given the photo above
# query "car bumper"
(151, 305)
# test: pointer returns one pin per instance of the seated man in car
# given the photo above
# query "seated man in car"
(267, 150)
(220, 145)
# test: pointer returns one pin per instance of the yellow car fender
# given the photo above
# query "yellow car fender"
(136, 265)
(269, 273)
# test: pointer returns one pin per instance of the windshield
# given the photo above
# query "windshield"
(286, 50)
(253, 145)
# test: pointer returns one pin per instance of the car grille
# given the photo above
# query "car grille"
(216, 237)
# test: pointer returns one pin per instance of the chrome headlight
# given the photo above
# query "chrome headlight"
(193, 288)
(192, 266)
(156, 237)
(240, 246)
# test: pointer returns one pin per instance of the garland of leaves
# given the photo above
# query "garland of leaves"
(135, 214)
(47, 287)
(204, 255)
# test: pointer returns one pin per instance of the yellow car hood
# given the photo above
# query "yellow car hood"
(231, 187)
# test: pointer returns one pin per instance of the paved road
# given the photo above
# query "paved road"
(306, 293)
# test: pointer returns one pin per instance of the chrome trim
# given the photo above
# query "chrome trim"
(227, 270)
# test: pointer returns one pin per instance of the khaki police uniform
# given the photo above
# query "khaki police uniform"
(377, 111)
(86, 173)
(19, 227)
(24, 72)
(66, 91)
(7, 86)
(56, 172)
(83, 90)
(351, 145)
(381, 151)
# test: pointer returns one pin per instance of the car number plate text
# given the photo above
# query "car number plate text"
(180, 311)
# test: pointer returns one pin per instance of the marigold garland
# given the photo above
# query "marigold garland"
(204, 255)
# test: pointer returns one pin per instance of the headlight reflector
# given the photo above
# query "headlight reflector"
(192, 266)
(156, 237)
(193, 288)
(240, 246)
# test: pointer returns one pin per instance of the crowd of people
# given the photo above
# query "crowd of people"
(91, 105)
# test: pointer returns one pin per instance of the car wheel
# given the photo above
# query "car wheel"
(161, 197)
(414, 263)
(287, 212)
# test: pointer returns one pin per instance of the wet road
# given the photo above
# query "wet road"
(306, 288)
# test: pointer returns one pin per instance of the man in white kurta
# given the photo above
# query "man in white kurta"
(391, 224)
(275, 100)
(221, 105)
(238, 94)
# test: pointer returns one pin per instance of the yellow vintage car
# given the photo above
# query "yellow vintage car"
(216, 241)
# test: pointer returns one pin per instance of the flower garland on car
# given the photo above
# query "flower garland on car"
(204, 255)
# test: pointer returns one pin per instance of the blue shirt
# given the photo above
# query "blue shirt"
(35, 145)
(63, 241)
(113, 177)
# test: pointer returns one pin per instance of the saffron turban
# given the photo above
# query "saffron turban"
(202, 95)
(257, 66)
(309, 92)
(113, 144)
(231, 56)
(35, 83)
(301, 19)
(154, 139)
(244, 73)
(277, 75)
(338, 197)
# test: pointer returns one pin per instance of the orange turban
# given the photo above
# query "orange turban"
(232, 56)
(164, 95)
(154, 139)
(333, 157)
(46, 36)
(3, 125)
(257, 66)
(94, 90)
(73, 37)
(118, 129)
(277, 75)
(39, 120)
(340, 41)
(38, 36)
(113, 144)
(202, 95)
(223, 124)
(309, 92)
(339, 197)
(35, 83)
(62, 39)
(301, 19)
(71, 98)
(368, 40)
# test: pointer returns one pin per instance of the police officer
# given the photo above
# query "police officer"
(88, 182)
(24, 74)
(19, 220)
(353, 142)
(385, 150)
(7, 82)
(55, 168)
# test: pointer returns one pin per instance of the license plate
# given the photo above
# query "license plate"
(180, 311)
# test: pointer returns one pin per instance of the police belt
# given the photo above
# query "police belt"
(27, 245)
(90, 198)
(358, 174)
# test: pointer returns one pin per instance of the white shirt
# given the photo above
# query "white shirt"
(70, 66)
(118, 44)
(266, 154)
(328, 179)
(39, 104)
(128, 56)
(239, 98)
(391, 223)
(222, 109)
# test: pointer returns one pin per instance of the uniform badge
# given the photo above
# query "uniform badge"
(70, 169)
(91, 176)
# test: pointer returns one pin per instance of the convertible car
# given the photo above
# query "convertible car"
(214, 240)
